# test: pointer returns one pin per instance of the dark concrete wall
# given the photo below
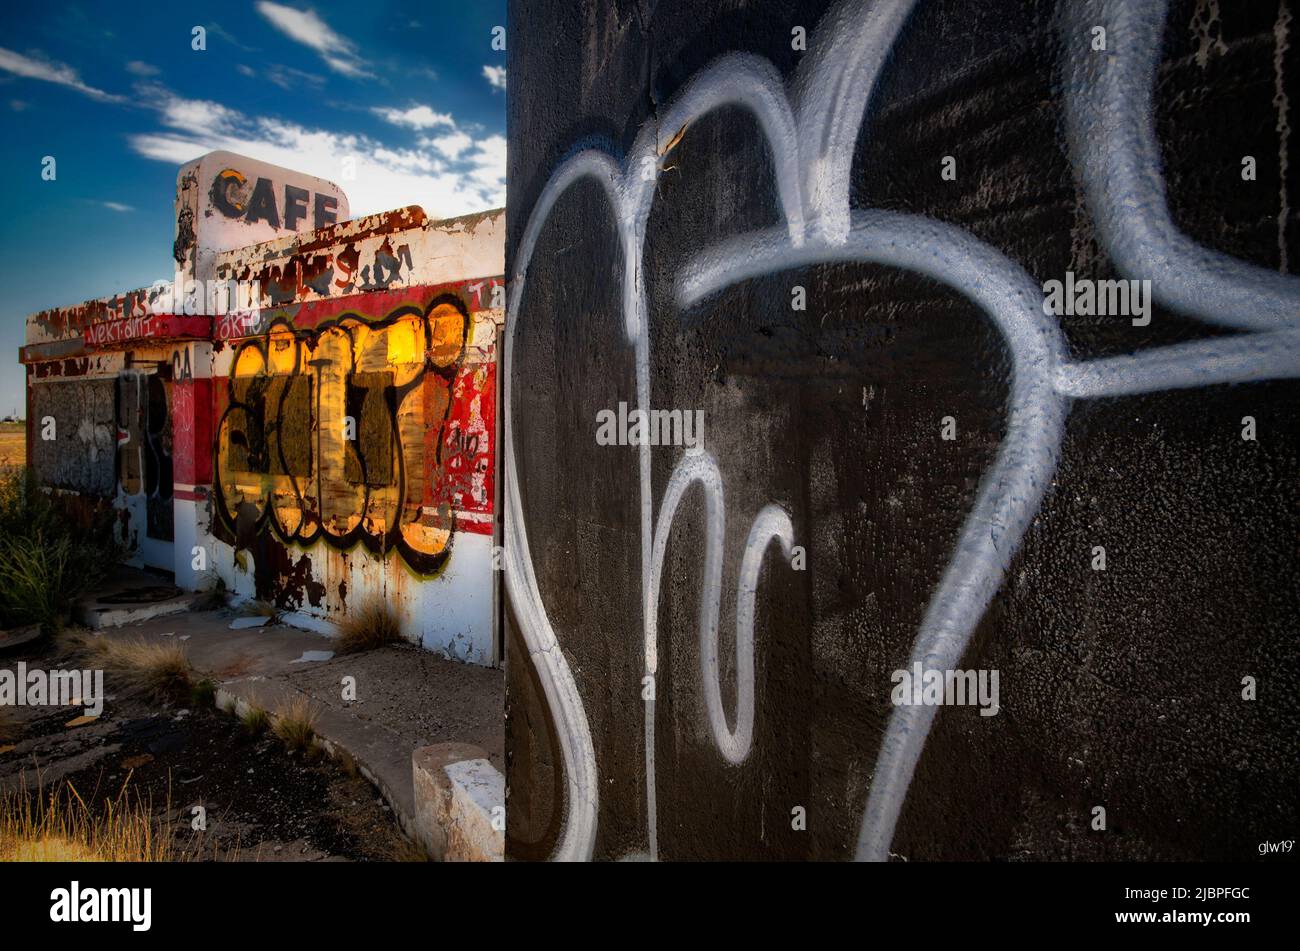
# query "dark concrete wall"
(1119, 688)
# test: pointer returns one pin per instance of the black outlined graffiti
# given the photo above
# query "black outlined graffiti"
(328, 432)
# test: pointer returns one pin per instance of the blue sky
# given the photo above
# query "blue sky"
(413, 91)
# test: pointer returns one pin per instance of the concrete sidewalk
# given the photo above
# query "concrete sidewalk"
(130, 594)
(405, 697)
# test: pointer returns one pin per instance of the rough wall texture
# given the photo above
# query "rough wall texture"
(310, 514)
(1120, 688)
(82, 461)
(113, 438)
(390, 321)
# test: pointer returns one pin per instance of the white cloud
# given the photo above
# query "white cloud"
(386, 177)
(488, 161)
(286, 77)
(451, 144)
(347, 67)
(173, 149)
(305, 27)
(496, 76)
(190, 114)
(140, 68)
(226, 35)
(417, 117)
(116, 206)
(289, 79)
(50, 72)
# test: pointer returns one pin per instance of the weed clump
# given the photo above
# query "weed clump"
(370, 625)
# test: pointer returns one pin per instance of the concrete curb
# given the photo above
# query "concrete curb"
(459, 803)
(454, 805)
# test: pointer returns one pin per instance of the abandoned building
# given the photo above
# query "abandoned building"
(306, 413)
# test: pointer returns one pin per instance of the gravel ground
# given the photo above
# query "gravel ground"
(262, 802)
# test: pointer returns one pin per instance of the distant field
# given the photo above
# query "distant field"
(13, 444)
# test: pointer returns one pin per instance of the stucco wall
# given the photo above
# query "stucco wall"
(390, 321)
(1120, 688)
(311, 520)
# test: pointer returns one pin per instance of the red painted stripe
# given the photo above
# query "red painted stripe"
(118, 334)
(475, 293)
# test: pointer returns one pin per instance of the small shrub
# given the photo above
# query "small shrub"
(37, 580)
(295, 723)
(161, 669)
(51, 550)
(255, 720)
(24, 508)
(371, 624)
(204, 693)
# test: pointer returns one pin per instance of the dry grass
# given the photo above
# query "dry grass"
(295, 723)
(261, 608)
(161, 669)
(371, 624)
(348, 763)
(60, 827)
(255, 719)
(13, 444)
(73, 640)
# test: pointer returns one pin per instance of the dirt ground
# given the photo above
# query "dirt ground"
(262, 802)
(13, 444)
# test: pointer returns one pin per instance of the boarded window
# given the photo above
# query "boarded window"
(289, 424)
(368, 403)
(246, 444)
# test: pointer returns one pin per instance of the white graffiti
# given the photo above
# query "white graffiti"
(811, 130)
